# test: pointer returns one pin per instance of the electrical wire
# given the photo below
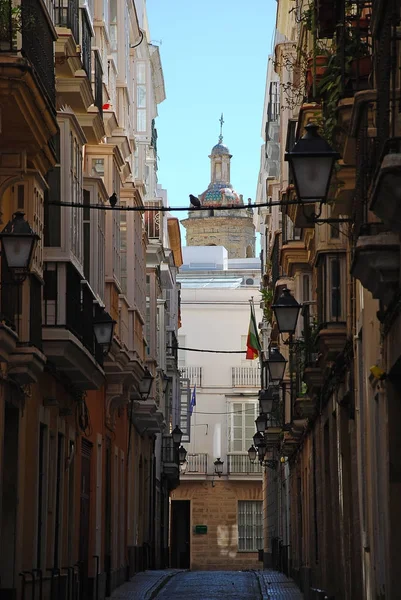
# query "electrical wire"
(164, 208)
(214, 351)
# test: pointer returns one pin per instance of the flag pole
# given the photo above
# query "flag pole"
(252, 306)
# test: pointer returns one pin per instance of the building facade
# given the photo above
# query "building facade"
(217, 519)
(334, 526)
(82, 447)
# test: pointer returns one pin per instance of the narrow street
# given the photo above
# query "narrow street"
(170, 584)
(211, 585)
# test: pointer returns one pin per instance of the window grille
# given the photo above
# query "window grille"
(250, 527)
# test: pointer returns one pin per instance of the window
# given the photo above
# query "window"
(141, 96)
(76, 196)
(181, 353)
(331, 288)
(241, 428)
(250, 529)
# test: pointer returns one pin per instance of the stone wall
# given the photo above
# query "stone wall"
(235, 234)
(215, 504)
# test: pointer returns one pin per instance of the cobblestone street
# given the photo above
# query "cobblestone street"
(208, 585)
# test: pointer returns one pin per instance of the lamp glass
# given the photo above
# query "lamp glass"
(145, 385)
(218, 466)
(261, 451)
(311, 161)
(103, 331)
(276, 365)
(258, 438)
(261, 422)
(177, 435)
(312, 176)
(286, 311)
(252, 453)
(182, 454)
(18, 242)
(266, 399)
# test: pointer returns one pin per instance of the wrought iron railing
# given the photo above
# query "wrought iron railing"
(78, 313)
(196, 463)
(245, 377)
(240, 464)
(86, 43)
(98, 84)
(154, 220)
(37, 45)
(66, 14)
(194, 374)
(275, 260)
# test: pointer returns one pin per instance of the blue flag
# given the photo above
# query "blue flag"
(193, 400)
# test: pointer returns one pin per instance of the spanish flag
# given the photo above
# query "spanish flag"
(252, 343)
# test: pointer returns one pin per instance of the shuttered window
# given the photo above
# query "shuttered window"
(242, 417)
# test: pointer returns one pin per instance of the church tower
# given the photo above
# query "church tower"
(231, 228)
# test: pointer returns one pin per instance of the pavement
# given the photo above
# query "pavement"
(176, 584)
(276, 585)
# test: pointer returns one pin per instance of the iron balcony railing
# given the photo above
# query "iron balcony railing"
(196, 463)
(98, 84)
(78, 315)
(275, 260)
(194, 374)
(239, 464)
(245, 377)
(66, 14)
(154, 220)
(86, 43)
(37, 45)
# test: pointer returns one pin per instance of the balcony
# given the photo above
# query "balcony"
(196, 464)
(377, 261)
(27, 84)
(68, 338)
(386, 194)
(245, 377)
(154, 221)
(194, 374)
(239, 464)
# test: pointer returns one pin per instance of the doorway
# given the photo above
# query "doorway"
(9, 490)
(86, 451)
(181, 534)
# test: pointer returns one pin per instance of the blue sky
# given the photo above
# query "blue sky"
(214, 56)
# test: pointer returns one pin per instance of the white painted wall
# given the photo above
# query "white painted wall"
(215, 318)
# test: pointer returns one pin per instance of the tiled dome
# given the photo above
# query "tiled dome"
(218, 194)
(220, 149)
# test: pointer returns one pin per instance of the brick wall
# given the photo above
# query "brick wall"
(215, 504)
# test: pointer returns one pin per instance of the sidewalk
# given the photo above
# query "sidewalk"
(144, 585)
(276, 585)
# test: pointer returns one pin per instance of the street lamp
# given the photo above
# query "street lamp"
(252, 453)
(311, 162)
(261, 422)
(258, 438)
(145, 385)
(276, 365)
(18, 242)
(286, 311)
(218, 467)
(267, 398)
(261, 451)
(103, 328)
(177, 435)
(182, 454)
(166, 381)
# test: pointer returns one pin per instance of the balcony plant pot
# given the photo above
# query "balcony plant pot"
(360, 72)
(321, 62)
